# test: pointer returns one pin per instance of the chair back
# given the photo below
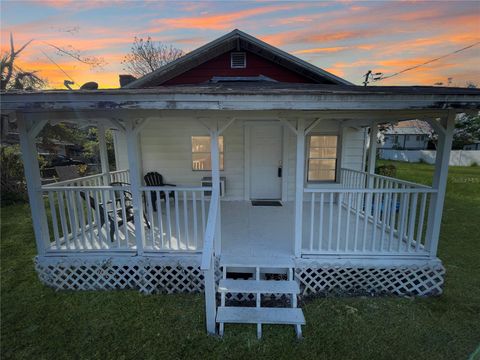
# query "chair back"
(153, 178)
(91, 202)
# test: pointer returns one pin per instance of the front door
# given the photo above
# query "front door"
(265, 161)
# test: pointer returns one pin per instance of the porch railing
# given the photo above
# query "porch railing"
(176, 217)
(371, 214)
(101, 179)
(89, 218)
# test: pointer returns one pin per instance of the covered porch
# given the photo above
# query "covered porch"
(111, 231)
(334, 221)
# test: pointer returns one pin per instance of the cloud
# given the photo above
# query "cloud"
(219, 21)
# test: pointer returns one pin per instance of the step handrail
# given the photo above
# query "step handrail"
(208, 245)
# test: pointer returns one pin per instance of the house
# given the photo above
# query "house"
(474, 146)
(271, 197)
(407, 135)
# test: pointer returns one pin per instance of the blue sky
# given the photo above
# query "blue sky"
(347, 38)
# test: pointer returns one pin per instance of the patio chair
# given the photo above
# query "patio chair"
(113, 217)
(155, 179)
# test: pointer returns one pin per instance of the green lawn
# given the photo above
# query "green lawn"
(39, 323)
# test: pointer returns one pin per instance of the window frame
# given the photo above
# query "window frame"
(337, 163)
(220, 152)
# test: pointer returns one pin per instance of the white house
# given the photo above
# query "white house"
(407, 135)
(289, 207)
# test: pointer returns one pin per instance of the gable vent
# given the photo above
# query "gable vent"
(238, 60)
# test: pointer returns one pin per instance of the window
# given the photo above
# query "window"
(238, 60)
(419, 137)
(201, 157)
(322, 158)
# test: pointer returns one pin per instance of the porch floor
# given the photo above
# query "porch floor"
(264, 231)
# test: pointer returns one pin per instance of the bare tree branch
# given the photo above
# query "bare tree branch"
(147, 56)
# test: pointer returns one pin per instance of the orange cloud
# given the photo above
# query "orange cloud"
(219, 21)
(321, 50)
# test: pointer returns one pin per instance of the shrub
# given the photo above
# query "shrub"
(387, 170)
(12, 176)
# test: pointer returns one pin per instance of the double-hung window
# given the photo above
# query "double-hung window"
(201, 155)
(322, 158)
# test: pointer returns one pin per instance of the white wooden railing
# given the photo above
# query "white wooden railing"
(370, 214)
(212, 233)
(89, 218)
(122, 176)
(101, 179)
(176, 217)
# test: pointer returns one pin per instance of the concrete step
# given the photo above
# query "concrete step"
(252, 315)
(258, 286)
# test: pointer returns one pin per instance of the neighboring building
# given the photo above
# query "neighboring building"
(267, 153)
(407, 135)
(474, 146)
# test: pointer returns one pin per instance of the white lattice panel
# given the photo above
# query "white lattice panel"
(150, 275)
(421, 281)
(146, 275)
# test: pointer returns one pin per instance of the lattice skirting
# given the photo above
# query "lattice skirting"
(183, 274)
(399, 280)
(148, 275)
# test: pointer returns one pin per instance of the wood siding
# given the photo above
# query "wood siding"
(220, 66)
(166, 148)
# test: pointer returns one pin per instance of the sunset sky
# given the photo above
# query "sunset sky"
(347, 38)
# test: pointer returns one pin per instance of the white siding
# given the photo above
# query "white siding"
(166, 148)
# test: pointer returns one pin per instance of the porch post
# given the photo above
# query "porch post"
(215, 159)
(102, 147)
(135, 182)
(299, 184)
(34, 184)
(440, 184)
(372, 153)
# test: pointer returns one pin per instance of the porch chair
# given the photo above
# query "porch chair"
(153, 178)
(114, 217)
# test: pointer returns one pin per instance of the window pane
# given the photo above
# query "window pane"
(323, 141)
(202, 161)
(323, 153)
(321, 170)
(200, 144)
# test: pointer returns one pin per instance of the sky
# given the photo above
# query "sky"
(347, 38)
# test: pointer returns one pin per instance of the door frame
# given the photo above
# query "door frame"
(247, 153)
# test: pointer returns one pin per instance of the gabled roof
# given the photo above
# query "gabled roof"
(410, 127)
(235, 40)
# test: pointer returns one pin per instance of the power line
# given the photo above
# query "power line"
(49, 58)
(419, 65)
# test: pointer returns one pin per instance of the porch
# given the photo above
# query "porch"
(352, 220)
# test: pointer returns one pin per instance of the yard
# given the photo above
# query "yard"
(40, 323)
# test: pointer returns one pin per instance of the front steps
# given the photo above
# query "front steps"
(259, 286)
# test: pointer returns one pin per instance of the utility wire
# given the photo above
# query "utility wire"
(49, 58)
(428, 62)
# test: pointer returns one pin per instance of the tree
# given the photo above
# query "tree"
(14, 77)
(148, 55)
(467, 131)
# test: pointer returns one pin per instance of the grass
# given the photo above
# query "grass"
(39, 323)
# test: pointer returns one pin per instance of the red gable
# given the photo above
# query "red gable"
(253, 60)
(221, 67)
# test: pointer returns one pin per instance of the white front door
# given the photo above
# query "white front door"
(265, 161)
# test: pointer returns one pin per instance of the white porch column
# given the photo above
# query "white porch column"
(215, 158)
(440, 184)
(135, 167)
(34, 183)
(102, 147)
(372, 153)
(299, 184)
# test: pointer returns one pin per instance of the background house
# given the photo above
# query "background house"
(407, 135)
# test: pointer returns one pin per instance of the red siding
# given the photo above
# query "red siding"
(220, 66)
